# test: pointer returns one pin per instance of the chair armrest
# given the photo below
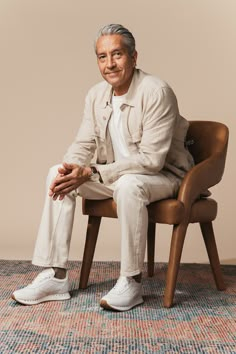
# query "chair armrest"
(201, 177)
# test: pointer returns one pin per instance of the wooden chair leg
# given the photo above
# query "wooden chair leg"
(177, 242)
(151, 248)
(210, 243)
(90, 244)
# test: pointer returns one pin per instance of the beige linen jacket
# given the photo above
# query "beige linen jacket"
(153, 129)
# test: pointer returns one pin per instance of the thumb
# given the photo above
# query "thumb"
(68, 166)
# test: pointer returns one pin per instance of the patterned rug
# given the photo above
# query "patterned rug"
(202, 321)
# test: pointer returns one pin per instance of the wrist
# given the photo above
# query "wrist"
(95, 172)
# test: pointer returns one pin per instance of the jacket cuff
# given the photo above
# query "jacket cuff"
(107, 173)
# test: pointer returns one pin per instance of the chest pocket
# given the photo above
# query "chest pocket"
(134, 125)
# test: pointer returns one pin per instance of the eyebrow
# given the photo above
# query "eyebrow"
(119, 49)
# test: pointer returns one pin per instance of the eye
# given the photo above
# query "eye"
(117, 54)
(101, 57)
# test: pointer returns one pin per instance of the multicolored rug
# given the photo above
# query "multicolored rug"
(202, 321)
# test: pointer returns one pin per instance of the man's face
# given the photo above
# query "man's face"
(115, 63)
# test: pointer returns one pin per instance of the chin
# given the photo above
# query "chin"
(114, 83)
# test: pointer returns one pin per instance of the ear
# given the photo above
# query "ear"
(135, 57)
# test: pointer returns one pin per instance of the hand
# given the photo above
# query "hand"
(70, 177)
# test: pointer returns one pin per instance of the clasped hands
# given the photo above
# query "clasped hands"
(70, 176)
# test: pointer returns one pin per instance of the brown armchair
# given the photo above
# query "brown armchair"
(192, 205)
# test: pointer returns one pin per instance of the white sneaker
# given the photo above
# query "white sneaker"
(126, 294)
(45, 287)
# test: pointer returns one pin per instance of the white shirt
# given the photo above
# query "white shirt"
(116, 129)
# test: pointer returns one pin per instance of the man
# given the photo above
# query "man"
(132, 121)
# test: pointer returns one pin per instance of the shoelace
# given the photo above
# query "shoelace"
(45, 274)
(122, 282)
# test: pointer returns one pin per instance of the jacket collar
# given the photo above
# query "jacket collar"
(130, 96)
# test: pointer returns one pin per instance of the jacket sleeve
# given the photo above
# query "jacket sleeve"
(160, 113)
(82, 150)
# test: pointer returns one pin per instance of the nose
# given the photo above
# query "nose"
(110, 62)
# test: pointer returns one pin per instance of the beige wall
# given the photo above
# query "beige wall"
(47, 66)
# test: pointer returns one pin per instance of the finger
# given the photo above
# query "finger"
(51, 189)
(68, 189)
(69, 166)
(65, 191)
(58, 196)
(63, 170)
(60, 180)
(55, 196)
(61, 187)
(55, 189)
(54, 182)
(50, 193)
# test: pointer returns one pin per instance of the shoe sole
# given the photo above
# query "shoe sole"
(55, 297)
(106, 306)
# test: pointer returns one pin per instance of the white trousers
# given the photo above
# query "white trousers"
(132, 193)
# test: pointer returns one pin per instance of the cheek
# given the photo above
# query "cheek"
(128, 69)
(101, 68)
(128, 65)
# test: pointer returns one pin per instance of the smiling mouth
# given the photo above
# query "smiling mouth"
(112, 72)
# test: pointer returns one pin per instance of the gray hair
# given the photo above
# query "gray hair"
(128, 38)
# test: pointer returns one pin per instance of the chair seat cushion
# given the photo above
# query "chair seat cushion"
(167, 211)
(171, 211)
(105, 208)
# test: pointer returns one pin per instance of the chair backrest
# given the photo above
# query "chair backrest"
(210, 139)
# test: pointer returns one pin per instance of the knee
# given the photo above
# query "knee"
(129, 186)
(52, 173)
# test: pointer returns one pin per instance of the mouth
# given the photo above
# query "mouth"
(112, 72)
